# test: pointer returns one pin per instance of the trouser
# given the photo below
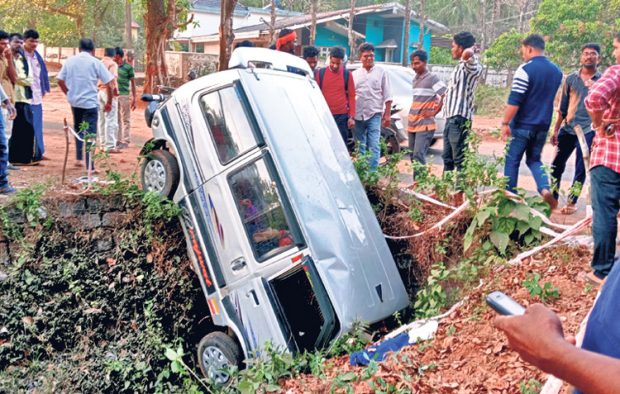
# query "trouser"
(605, 206)
(530, 143)
(37, 124)
(107, 122)
(124, 119)
(85, 123)
(454, 139)
(419, 143)
(8, 125)
(343, 127)
(4, 155)
(367, 136)
(567, 143)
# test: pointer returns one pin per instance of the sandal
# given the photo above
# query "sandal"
(590, 278)
(568, 209)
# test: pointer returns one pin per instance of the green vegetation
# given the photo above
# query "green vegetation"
(491, 100)
(545, 292)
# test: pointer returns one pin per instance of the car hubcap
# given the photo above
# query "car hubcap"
(154, 176)
(215, 364)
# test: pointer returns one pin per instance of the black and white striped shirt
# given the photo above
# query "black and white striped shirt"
(459, 98)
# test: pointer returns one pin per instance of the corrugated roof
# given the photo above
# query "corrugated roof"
(198, 4)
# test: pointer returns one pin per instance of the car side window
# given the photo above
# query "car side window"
(260, 207)
(230, 124)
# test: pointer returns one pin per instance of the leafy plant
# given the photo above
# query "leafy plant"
(432, 297)
(531, 386)
(544, 292)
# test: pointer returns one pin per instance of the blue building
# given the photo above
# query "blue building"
(383, 25)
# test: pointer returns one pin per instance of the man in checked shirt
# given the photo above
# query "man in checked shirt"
(603, 105)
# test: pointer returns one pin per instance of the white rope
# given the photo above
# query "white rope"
(76, 135)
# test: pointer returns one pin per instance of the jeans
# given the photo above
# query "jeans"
(454, 136)
(566, 145)
(89, 116)
(367, 136)
(605, 206)
(419, 143)
(124, 119)
(4, 156)
(37, 124)
(343, 127)
(108, 123)
(530, 142)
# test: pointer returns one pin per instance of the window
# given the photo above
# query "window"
(260, 207)
(229, 122)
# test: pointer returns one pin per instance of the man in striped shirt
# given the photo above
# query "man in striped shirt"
(528, 114)
(458, 105)
(428, 91)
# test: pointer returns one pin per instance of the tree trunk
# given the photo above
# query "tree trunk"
(226, 32)
(351, 36)
(314, 5)
(523, 7)
(128, 22)
(497, 7)
(155, 20)
(272, 23)
(483, 25)
(422, 16)
(405, 57)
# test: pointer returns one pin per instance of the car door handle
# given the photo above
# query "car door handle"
(252, 294)
(238, 264)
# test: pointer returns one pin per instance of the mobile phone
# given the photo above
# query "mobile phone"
(504, 305)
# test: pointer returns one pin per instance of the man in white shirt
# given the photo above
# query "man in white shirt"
(373, 102)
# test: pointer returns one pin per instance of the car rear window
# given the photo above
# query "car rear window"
(230, 122)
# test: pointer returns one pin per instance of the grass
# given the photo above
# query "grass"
(491, 100)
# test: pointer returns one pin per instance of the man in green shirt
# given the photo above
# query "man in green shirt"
(126, 103)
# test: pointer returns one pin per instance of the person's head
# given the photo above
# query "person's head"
(119, 55)
(4, 40)
(31, 40)
(590, 55)
(109, 52)
(532, 46)
(311, 55)
(617, 47)
(286, 41)
(87, 45)
(16, 41)
(460, 42)
(418, 61)
(129, 56)
(367, 55)
(244, 44)
(336, 58)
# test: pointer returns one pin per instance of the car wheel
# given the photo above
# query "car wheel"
(160, 173)
(217, 353)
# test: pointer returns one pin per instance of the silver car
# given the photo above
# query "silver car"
(281, 233)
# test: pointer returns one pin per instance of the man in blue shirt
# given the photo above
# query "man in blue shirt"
(78, 80)
(572, 112)
(528, 114)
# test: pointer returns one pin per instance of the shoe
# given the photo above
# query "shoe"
(45, 158)
(122, 145)
(547, 196)
(113, 150)
(32, 163)
(7, 190)
(12, 167)
(590, 278)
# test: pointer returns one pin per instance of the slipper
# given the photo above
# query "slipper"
(568, 209)
(590, 278)
(78, 164)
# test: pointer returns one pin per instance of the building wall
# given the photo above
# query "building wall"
(414, 33)
(375, 27)
(326, 39)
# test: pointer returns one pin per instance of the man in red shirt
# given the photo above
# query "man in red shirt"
(340, 95)
(603, 105)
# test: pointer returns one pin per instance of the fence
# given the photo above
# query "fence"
(499, 78)
(181, 63)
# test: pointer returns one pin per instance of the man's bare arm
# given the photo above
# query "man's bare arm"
(63, 86)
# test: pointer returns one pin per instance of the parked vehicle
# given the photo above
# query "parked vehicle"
(281, 233)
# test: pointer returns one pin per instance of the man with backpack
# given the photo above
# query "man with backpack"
(336, 83)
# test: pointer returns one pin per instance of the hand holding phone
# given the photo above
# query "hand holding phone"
(504, 305)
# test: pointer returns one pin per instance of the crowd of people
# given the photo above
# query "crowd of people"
(102, 94)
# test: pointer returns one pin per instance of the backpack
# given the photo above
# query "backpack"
(345, 74)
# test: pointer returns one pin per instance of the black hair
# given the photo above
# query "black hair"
(617, 36)
(366, 47)
(244, 44)
(119, 52)
(31, 33)
(4, 35)
(464, 39)
(87, 45)
(310, 52)
(535, 41)
(109, 52)
(15, 35)
(337, 52)
(420, 54)
(284, 32)
(592, 45)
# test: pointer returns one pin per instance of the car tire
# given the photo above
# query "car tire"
(217, 352)
(160, 173)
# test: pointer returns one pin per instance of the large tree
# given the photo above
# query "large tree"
(226, 32)
(161, 19)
